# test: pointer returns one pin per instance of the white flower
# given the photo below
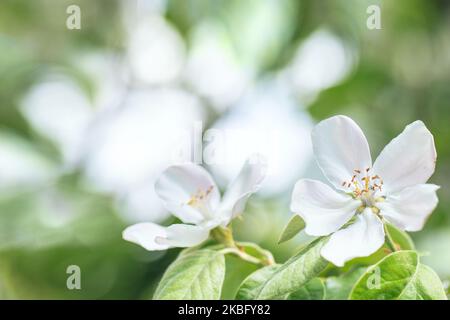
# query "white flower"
(394, 189)
(189, 193)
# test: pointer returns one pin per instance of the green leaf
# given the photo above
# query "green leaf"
(255, 280)
(313, 290)
(236, 272)
(275, 282)
(195, 275)
(402, 240)
(338, 288)
(427, 286)
(294, 226)
(401, 276)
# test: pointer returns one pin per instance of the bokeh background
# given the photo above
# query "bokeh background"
(90, 117)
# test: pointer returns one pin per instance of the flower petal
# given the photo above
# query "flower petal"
(145, 235)
(407, 160)
(340, 147)
(185, 235)
(360, 239)
(179, 184)
(243, 186)
(323, 209)
(155, 237)
(410, 208)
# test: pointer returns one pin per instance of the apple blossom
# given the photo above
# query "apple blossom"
(189, 193)
(393, 190)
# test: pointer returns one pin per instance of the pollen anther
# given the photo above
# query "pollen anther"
(200, 196)
(366, 184)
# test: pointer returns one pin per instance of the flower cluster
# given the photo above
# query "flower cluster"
(366, 195)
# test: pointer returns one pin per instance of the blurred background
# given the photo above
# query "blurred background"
(89, 117)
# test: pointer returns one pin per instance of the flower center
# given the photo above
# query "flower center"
(199, 201)
(364, 186)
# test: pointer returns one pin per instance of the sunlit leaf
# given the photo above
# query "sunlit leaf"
(401, 238)
(313, 290)
(339, 287)
(197, 275)
(399, 276)
(294, 226)
(275, 282)
(254, 281)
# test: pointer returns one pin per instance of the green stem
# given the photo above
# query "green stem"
(225, 237)
(266, 256)
(241, 254)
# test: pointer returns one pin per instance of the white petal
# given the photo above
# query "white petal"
(178, 184)
(244, 185)
(323, 209)
(360, 239)
(145, 235)
(155, 237)
(410, 208)
(184, 235)
(340, 147)
(407, 160)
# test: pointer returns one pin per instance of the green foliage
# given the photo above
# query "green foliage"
(249, 287)
(199, 274)
(313, 290)
(401, 239)
(399, 276)
(195, 275)
(275, 282)
(252, 249)
(294, 226)
(236, 272)
(339, 287)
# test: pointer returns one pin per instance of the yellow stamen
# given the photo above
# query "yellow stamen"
(199, 197)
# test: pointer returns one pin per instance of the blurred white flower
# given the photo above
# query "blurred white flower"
(140, 202)
(129, 147)
(156, 52)
(59, 110)
(267, 121)
(189, 192)
(321, 61)
(106, 72)
(394, 190)
(212, 68)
